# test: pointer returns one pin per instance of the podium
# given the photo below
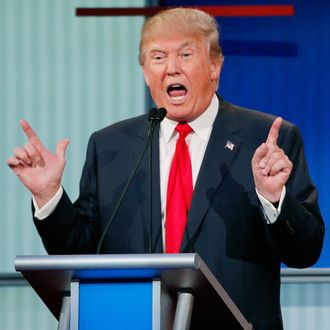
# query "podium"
(135, 291)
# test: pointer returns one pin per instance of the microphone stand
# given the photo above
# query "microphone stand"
(155, 117)
(159, 116)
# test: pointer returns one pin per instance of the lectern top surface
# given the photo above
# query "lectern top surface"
(106, 261)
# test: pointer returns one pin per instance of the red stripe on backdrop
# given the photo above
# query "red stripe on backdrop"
(261, 10)
(224, 11)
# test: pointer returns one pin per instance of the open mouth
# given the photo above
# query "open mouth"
(177, 92)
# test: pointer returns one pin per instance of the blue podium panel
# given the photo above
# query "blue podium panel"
(117, 306)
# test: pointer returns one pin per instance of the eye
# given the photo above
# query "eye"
(158, 57)
(187, 55)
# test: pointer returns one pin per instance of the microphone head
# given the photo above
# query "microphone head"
(152, 114)
(161, 113)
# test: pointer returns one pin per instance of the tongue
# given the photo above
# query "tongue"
(177, 92)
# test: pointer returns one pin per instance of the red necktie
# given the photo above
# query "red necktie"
(179, 191)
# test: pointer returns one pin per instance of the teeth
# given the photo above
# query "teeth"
(174, 86)
(177, 98)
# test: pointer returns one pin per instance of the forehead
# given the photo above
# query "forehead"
(168, 41)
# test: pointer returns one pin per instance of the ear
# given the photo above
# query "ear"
(146, 74)
(215, 69)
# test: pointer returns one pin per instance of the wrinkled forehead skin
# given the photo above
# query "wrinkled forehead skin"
(165, 31)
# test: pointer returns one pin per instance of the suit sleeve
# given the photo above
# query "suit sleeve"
(74, 228)
(297, 235)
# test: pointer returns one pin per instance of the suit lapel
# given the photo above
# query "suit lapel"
(220, 152)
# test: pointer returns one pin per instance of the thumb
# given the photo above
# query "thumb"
(61, 148)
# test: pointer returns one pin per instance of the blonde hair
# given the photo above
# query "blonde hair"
(188, 21)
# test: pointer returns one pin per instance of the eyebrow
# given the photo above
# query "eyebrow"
(184, 45)
(187, 44)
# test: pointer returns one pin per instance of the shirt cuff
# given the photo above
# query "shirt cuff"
(45, 211)
(270, 212)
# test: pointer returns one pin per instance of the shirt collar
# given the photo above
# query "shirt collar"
(202, 125)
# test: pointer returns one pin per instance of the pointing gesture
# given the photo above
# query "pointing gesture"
(39, 170)
(270, 165)
(273, 132)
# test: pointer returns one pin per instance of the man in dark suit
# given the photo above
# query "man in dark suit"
(253, 204)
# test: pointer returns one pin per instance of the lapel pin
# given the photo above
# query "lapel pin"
(229, 145)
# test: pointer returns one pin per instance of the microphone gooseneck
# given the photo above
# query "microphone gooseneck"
(155, 117)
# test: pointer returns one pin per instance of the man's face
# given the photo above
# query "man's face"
(180, 74)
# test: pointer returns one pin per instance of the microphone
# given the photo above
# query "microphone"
(152, 114)
(155, 117)
(160, 114)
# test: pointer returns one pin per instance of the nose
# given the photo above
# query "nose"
(173, 67)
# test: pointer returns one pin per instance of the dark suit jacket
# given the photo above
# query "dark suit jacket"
(225, 224)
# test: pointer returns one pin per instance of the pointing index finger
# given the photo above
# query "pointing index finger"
(273, 132)
(32, 135)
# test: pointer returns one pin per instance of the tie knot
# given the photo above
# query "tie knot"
(183, 129)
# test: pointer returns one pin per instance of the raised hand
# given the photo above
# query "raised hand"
(40, 170)
(271, 166)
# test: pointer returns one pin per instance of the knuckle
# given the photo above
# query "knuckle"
(18, 152)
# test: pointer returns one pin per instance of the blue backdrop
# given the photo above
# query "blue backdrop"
(280, 65)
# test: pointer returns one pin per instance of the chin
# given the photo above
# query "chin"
(177, 117)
